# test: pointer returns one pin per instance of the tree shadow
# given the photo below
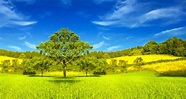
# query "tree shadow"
(89, 76)
(39, 76)
(58, 81)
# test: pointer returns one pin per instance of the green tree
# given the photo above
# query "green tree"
(22, 56)
(15, 64)
(27, 66)
(5, 65)
(122, 63)
(64, 46)
(113, 62)
(41, 63)
(151, 47)
(87, 64)
(138, 60)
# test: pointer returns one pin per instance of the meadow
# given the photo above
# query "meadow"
(139, 85)
(2, 58)
(146, 58)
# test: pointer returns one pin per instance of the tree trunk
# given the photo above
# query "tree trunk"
(64, 68)
(64, 71)
(42, 72)
(86, 73)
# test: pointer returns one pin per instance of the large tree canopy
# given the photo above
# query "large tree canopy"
(64, 46)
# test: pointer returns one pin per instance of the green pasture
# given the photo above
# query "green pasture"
(134, 85)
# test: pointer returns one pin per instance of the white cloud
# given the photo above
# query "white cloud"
(27, 1)
(22, 38)
(172, 12)
(15, 47)
(102, 1)
(112, 48)
(98, 45)
(104, 23)
(9, 16)
(30, 45)
(174, 31)
(106, 38)
(129, 37)
(131, 13)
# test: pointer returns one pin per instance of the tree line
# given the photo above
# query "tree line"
(65, 51)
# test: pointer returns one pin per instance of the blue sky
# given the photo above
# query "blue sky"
(108, 25)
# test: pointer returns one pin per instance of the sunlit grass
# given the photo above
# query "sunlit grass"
(146, 58)
(138, 85)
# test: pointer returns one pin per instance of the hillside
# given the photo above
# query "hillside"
(146, 58)
(2, 58)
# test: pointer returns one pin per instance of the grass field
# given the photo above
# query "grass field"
(146, 58)
(138, 85)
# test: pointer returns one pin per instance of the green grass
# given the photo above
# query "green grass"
(139, 85)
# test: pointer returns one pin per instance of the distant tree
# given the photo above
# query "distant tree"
(22, 56)
(64, 46)
(151, 47)
(15, 64)
(87, 64)
(138, 60)
(106, 56)
(41, 63)
(101, 67)
(28, 67)
(122, 63)
(5, 65)
(113, 62)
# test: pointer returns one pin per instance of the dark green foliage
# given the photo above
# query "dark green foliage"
(65, 47)
(5, 65)
(138, 61)
(87, 64)
(113, 62)
(99, 73)
(178, 73)
(122, 62)
(173, 46)
(27, 54)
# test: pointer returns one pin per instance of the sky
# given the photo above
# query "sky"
(108, 25)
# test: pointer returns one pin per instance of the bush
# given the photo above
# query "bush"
(29, 72)
(99, 72)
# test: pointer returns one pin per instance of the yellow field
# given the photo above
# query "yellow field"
(2, 58)
(167, 66)
(146, 58)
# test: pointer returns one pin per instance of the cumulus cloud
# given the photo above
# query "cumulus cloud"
(174, 31)
(30, 45)
(15, 47)
(113, 48)
(9, 16)
(131, 13)
(98, 45)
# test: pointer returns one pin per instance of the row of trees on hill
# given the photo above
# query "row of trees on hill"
(27, 54)
(174, 46)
